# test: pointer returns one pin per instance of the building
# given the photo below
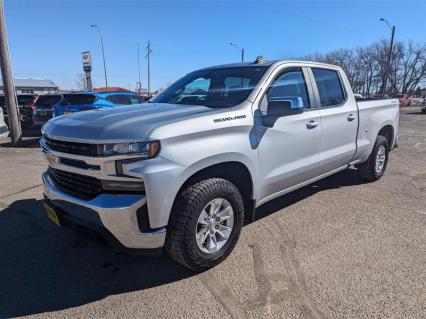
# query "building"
(33, 86)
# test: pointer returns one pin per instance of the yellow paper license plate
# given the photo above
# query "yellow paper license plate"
(52, 214)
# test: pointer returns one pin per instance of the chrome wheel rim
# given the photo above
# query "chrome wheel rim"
(214, 225)
(380, 159)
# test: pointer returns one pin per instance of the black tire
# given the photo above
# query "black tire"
(180, 241)
(367, 170)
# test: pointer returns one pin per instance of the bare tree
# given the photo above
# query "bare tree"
(80, 82)
(367, 67)
(412, 67)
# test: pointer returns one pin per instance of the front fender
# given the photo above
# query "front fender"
(163, 178)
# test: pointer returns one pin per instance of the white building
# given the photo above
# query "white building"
(32, 86)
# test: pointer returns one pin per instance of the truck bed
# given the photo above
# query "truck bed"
(371, 116)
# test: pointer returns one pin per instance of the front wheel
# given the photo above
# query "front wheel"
(205, 223)
(375, 166)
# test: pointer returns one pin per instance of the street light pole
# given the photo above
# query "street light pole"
(242, 50)
(139, 73)
(8, 86)
(389, 57)
(103, 54)
(148, 56)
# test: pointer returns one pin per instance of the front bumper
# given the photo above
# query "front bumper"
(114, 212)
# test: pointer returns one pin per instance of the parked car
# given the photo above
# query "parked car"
(4, 131)
(44, 108)
(404, 100)
(76, 102)
(26, 108)
(185, 174)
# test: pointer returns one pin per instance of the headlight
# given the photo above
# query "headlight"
(144, 149)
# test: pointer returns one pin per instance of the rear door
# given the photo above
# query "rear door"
(339, 119)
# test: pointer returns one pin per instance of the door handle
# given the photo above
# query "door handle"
(351, 117)
(312, 124)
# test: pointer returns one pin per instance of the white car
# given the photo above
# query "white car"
(4, 131)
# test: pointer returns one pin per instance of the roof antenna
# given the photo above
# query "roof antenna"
(260, 59)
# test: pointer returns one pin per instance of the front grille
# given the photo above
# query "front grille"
(71, 147)
(81, 186)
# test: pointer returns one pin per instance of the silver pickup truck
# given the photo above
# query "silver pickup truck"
(186, 169)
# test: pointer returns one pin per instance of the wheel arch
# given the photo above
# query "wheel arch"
(388, 132)
(236, 172)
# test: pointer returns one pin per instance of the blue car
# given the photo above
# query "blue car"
(76, 102)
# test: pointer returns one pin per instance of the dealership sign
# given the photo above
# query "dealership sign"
(87, 61)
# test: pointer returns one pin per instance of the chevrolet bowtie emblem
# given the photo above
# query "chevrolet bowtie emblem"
(51, 159)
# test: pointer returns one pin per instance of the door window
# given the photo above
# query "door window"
(134, 99)
(289, 85)
(329, 87)
(119, 99)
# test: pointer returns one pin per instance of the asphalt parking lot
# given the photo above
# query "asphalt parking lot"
(340, 248)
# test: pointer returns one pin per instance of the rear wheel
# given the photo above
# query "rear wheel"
(205, 224)
(375, 166)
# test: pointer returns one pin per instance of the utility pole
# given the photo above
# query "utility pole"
(103, 54)
(148, 55)
(389, 57)
(8, 85)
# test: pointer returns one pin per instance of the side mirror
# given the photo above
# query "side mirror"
(279, 107)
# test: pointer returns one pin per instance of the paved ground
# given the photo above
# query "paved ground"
(337, 249)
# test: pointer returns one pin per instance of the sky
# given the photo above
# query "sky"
(46, 37)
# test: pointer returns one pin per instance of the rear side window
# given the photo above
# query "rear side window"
(78, 99)
(47, 100)
(329, 87)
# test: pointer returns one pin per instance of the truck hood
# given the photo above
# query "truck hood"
(120, 124)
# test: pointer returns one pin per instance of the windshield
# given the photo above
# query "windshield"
(221, 87)
(78, 99)
(25, 99)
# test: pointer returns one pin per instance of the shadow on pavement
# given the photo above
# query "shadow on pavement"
(348, 177)
(44, 268)
(415, 113)
(30, 138)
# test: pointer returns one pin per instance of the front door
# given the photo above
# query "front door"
(288, 151)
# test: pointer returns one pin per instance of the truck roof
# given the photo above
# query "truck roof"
(266, 63)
